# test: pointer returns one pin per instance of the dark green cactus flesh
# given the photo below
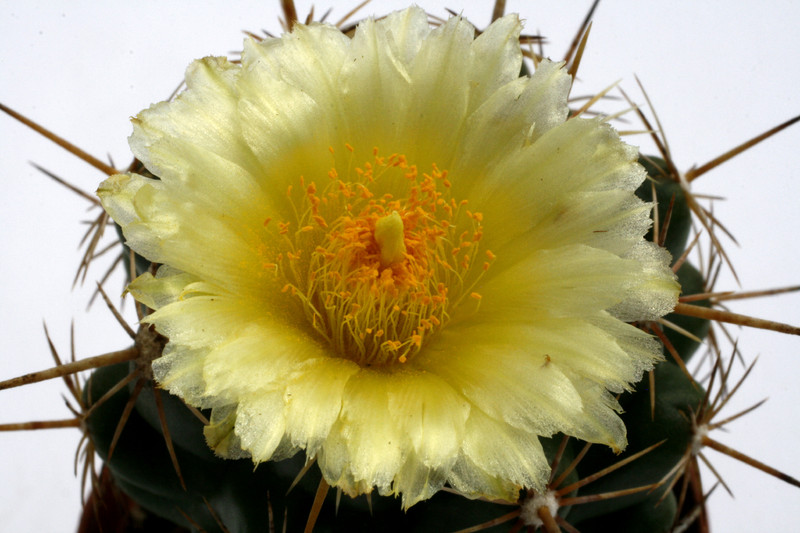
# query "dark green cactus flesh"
(668, 193)
(692, 282)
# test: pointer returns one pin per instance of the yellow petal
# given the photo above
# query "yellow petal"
(314, 400)
(498, 460)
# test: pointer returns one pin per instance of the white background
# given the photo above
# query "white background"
(718, 73)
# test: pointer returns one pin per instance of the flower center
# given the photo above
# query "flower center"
(380, 257)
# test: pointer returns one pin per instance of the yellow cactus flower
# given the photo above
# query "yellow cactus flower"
(394, 253)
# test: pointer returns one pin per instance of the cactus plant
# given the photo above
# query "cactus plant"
(596, 462)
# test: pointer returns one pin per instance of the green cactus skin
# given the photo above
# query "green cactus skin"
(667, 187)
(692, 282)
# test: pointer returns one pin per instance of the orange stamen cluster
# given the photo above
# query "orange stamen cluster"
(373, 311)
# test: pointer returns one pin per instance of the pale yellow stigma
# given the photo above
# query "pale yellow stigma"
(390, 238)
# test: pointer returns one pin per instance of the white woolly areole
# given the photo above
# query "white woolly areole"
(531, 506)
(700, 433)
